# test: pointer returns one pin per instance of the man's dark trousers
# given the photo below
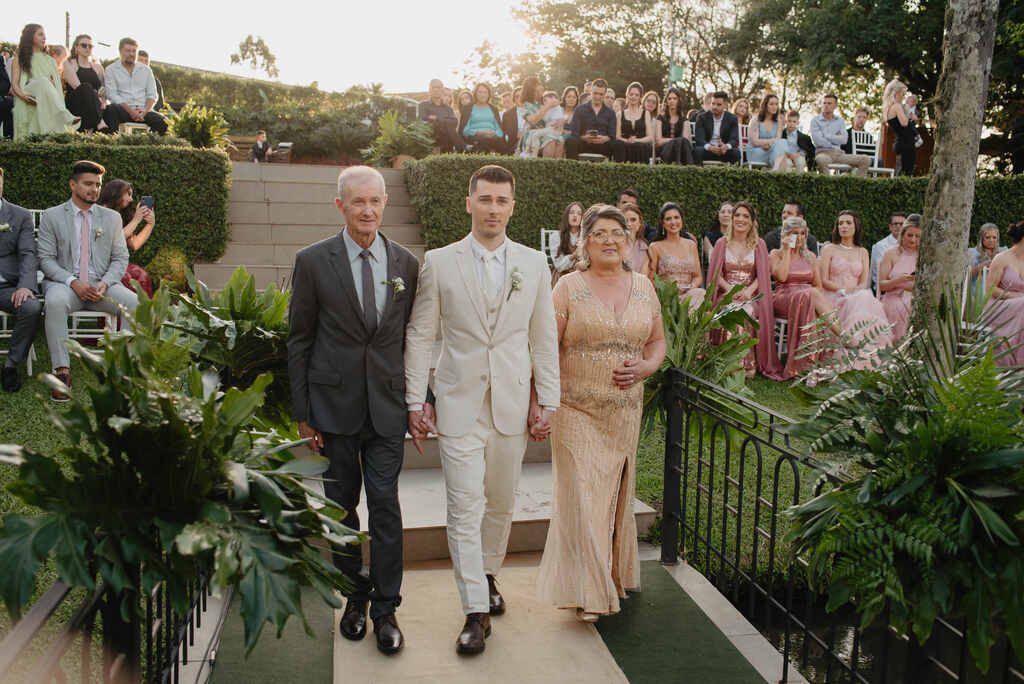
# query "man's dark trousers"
(115, 115)
(613, 149)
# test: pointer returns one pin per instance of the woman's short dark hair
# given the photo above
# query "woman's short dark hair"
(665, 208)
(856, 227)
(566, 92)
(1016, 232)
(492, 173)
(564, 232)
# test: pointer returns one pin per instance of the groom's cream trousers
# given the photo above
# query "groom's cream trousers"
(481, 470)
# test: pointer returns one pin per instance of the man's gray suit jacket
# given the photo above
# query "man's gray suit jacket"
(339, 373)
(18, 259)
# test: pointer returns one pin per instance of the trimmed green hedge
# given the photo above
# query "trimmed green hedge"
(438, 187)
(189, 187)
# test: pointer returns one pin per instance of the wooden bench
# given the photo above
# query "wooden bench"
(242, 147)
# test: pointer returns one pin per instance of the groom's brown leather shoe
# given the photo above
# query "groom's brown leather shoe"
(389, 636)
(353, 620)
(497, 602)
(476, 629)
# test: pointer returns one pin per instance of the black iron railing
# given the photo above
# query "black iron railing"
(149, 648)
(729, 474)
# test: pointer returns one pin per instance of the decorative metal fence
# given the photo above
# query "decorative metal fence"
(730, 472)
(149, 648)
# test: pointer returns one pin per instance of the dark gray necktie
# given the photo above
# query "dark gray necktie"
(369, 294)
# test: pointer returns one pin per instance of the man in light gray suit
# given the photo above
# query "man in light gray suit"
(18, 266)
(351, 298)
(83, 254)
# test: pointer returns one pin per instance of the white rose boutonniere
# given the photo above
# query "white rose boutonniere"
(397, 286)
(4, 227)
(97, 234)
(517, 282)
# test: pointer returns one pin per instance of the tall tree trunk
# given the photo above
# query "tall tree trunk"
(959, 112)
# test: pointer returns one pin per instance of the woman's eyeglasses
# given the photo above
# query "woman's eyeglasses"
(617, 235)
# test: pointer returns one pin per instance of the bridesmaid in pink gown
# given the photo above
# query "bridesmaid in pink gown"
(845, 273)
(1008, 296)
(896, 276)
(741, 258)
(675, 258)
(798, 297)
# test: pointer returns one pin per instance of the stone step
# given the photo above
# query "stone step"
(215, 276)
(308, 214)
(294, 191)
(422, 496)
(293, 234)
(303, 173)
(274, 253)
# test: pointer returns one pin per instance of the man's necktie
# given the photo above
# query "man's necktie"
(369, 294)
(83, 249)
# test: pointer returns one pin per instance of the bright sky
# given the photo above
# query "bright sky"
(400, 43)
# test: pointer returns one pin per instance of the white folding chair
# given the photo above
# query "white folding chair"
(866, 144)
(90, 325)
(781, 339)
(592, 157)
(547, 238)
(7, 332)
(744, 145)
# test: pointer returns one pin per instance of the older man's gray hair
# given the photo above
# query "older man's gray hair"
(354, 174)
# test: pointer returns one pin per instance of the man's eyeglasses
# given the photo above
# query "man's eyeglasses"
(617, 235)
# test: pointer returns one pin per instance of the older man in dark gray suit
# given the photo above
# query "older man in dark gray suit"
(351, 298)
(18, 266)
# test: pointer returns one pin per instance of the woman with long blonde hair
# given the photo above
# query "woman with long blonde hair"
(902, 123)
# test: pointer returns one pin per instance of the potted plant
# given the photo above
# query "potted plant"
(397, 142)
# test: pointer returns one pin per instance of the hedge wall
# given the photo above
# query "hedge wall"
(544, 187)
(189, 187)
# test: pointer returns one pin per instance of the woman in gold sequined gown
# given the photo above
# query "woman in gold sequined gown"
(610, 339)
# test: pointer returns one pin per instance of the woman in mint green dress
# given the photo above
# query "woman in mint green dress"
(39, 107)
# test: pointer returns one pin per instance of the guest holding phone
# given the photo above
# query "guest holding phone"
(896, 275)
(117, 195)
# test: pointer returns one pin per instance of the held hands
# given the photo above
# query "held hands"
(316, 440)
(422, 423)
(631, 372)
(538, 421)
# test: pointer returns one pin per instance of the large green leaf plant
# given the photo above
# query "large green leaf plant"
(924, 509)
(164, 479)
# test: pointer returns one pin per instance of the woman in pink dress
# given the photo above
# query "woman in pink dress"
(1007, 272)
(675, 257)
(798, 297)
(741, 258)
(844, 269)
(896, 275)
(638, 248)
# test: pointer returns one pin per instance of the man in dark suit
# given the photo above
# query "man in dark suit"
(510, 121)
(260, 149)
(6, 102)
(789, 210)
(717, 134)
(351, 298)
(18, 266)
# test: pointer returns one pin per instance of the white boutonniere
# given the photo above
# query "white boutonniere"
(4, 227)
(397, 286)
(517, 282)
(97, 234)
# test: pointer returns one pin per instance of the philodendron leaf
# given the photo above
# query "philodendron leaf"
(24, 543)
(73, 537)
(268, 594)
(196, 538)
(307, 466)
(226, 564)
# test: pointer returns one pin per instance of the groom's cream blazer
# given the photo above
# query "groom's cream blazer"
(523, 343)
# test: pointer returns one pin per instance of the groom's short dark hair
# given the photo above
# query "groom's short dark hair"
(86, 166)
(492, 173)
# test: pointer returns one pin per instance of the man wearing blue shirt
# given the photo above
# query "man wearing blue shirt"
(593, 128)
(828, 133)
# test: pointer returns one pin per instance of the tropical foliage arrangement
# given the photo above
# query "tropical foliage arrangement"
(415, 139)
(201, 126)
(924, 516)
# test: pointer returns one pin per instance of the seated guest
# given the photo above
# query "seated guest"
(979, 258)
(465, 99)
(741, 108)
(131, 91)
(828, 133)
(896, 276)
(510, 116)
(860, 117)
(634, 127)
(84, 77)
(6, 103)
(543, 119)
(692, 115)
(570, 101)
(1006, 280)
(82, 253)
(675, 257)
(18, 266)
(717, 133)
(59, 54)
(593, 127)
(480, 123)
(609, 98)
(618, 104)
(36, 83)
(879, 249)
(441, 118)
(563, 252)
(741, 259)
(718, 227)
(117, 195)
(587, 86)
(673, 137)
(144, 59)
(630, 196)
(766, 143)
(773, 240)
(637, 258)
(257, 153)
(799, 148)
(903, 125)
(798, 296)
(845, 273)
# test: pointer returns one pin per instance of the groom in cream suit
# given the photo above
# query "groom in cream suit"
(491, 299)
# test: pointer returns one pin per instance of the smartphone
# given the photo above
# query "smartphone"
(593, 131)
(147, 201)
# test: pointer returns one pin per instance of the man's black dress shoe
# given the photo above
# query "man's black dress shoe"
(476, 629)
(9, 379)
(353, 620)
(497, 602)
(389, 636)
